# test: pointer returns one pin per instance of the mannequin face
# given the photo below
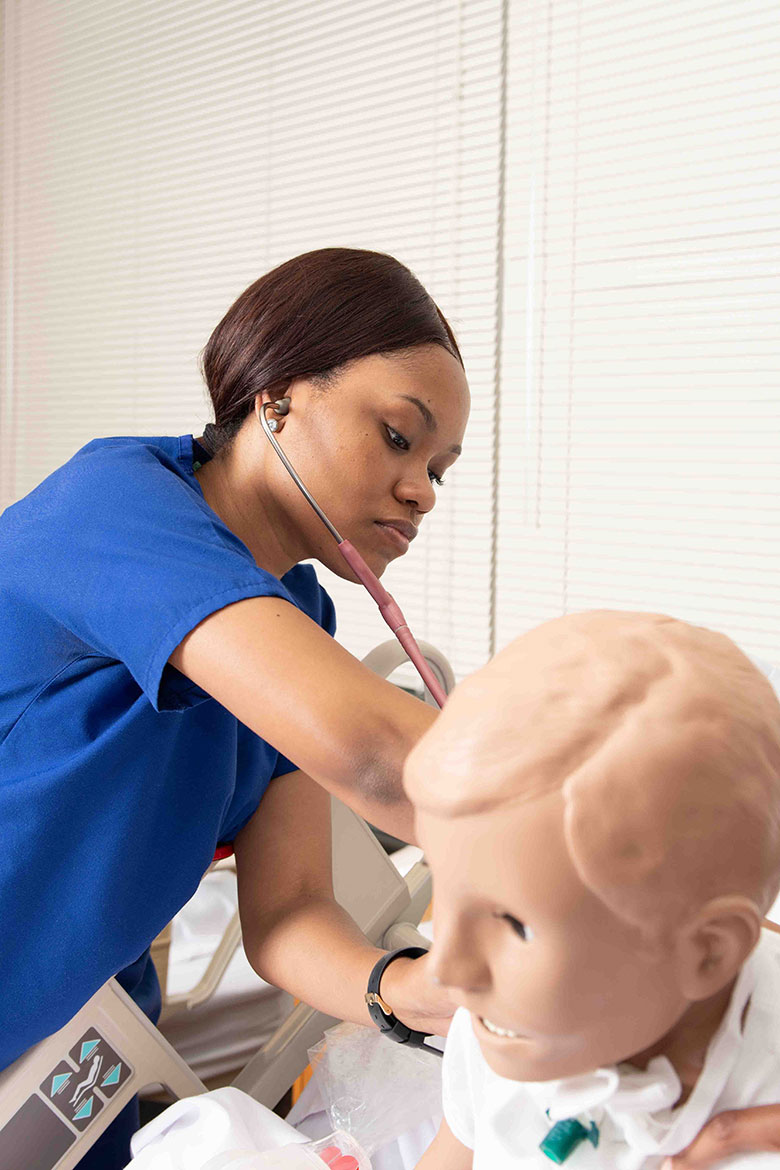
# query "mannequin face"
(524, 945)
(599, 805)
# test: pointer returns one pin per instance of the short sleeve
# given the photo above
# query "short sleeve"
(130, 559)
(317, 604)
(458, 1103)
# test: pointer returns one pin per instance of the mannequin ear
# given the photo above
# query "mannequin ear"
(711, 948)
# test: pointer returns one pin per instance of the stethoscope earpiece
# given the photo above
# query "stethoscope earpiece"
(280, 407)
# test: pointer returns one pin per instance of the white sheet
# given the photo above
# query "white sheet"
(193, 1133)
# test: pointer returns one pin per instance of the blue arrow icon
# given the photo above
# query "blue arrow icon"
(85, 1110)
(87, 1048)
(58, 1082)
(112, 1076)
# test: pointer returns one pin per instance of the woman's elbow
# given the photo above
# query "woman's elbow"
(380, 755)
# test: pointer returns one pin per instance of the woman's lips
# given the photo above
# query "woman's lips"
(399, 535)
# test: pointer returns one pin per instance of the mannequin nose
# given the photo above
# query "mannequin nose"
(458, 963)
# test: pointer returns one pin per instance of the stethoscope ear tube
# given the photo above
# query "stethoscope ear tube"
(388, 608)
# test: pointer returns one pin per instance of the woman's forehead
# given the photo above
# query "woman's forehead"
(428, 389)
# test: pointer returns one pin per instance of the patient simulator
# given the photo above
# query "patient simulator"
(601, 809)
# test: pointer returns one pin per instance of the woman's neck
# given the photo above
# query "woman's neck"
(235, 489)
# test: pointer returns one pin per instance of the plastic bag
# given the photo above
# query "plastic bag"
(338, 1151)
(373, 1088)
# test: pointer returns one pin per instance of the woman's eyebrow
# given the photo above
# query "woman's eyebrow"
(428, 419)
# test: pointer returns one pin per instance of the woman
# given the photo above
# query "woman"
(164, 656)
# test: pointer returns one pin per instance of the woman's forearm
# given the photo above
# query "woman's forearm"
(313, 949)
(295, 934)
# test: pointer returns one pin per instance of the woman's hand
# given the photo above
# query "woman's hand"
(737, 1131)
(416, 1000)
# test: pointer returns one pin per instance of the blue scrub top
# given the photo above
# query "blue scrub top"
(118, 775)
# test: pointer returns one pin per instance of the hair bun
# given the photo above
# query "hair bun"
(211, 438)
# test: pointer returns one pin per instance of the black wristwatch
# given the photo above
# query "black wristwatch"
(382, 1014)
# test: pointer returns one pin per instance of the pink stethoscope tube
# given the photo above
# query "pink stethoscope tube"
(391, 612)
(388, 607)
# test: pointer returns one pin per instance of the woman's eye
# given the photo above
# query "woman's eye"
(401, 443)
(519, 927)
(397, 439)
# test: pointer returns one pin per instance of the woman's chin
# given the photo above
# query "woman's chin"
(337, 565)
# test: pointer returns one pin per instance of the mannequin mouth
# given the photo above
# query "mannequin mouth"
(496, 1030)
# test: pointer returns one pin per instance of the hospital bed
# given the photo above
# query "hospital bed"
(61, 1094)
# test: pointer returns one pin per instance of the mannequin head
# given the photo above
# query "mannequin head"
(601, 809)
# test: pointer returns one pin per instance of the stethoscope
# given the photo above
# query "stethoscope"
(387, 606)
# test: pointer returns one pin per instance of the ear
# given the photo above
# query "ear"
(272, 394)
(711, 947)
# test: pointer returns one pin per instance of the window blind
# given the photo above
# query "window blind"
(639, 400)
(162, 154)
(588, 190)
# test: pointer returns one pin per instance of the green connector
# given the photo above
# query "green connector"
(564, 1137)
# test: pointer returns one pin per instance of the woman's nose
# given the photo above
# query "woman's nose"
(416, 492)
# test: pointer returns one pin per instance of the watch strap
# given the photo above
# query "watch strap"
(381, 1012)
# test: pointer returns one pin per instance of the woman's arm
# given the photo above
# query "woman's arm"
(296, 936)
(738, 1131)
(279, 673)
(446, 1153)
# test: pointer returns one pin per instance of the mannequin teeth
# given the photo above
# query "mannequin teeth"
(494, 1028)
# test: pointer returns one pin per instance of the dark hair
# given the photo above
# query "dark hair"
(306, 318)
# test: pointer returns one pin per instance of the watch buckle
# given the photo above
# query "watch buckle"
(373, 999)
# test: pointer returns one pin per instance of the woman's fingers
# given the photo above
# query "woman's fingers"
(736, 1131)
(415, 999)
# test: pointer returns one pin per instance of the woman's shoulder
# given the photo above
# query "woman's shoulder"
(172, 453)
(123, 477)
(303, 586)
(113, 492)
(106, 470)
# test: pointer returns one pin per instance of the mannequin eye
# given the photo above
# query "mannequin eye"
(525, 932)
(434, 478)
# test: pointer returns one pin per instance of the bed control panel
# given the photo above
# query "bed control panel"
(61, 1094)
